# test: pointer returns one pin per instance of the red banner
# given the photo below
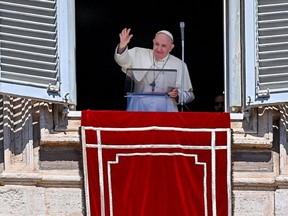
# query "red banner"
(156, 163)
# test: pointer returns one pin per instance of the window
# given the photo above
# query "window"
(38, 49)
(100, 81)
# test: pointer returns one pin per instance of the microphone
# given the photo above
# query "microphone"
(182, 25)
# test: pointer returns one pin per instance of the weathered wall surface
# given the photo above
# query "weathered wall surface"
(259, 157)
(41, 161)
(41, 164)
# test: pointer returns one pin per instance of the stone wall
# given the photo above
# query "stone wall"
(41, 161)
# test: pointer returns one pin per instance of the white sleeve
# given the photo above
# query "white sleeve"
(188, 96)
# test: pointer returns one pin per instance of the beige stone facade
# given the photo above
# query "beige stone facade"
(41, 161)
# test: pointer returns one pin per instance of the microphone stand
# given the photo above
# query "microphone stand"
(183, 67)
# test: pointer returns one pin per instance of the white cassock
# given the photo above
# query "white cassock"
(150, 90)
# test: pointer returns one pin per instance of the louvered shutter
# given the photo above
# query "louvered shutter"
(266, 51)
(37, 49)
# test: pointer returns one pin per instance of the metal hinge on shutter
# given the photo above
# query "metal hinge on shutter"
(54, 88)
(263, 93)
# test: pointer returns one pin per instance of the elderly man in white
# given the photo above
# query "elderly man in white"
(153, 79)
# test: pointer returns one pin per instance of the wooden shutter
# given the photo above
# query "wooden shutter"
(266, 24)
(37, 49)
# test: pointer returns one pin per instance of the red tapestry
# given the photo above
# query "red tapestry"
(156, 163)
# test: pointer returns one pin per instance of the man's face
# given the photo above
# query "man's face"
(219, 103)
(162, 45)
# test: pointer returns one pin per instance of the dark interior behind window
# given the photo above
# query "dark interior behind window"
(100, 82)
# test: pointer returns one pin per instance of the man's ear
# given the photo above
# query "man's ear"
(172, 46)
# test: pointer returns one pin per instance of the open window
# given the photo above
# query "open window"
(37, 49)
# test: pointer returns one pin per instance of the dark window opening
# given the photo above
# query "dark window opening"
(100, 82)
